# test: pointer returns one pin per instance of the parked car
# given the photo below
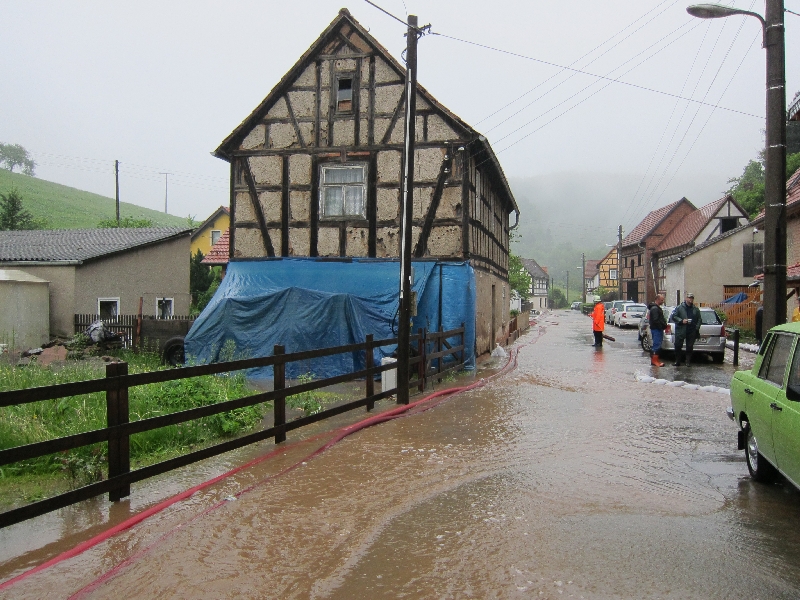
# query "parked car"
(765, 403)
(630, 315)
(711, 340)
(615, 306)
(575, 305)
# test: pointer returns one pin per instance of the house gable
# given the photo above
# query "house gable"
(316, 168)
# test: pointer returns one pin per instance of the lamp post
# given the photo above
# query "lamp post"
(775, 172)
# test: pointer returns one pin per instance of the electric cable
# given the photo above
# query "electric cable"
(576, 61)
(651, 200)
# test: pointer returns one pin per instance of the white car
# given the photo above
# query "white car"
(630, 315)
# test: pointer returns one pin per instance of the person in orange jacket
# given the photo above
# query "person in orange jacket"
(598, 322)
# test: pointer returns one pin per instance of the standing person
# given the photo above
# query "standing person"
(657, 326)
(796, 313)
(687, 325)
(598, 322)
(759, 324)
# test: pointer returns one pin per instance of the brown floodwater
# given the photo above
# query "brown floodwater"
(562, 478)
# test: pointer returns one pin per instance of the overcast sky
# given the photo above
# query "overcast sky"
(158, 85)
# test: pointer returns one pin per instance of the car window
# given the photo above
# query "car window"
(636, 307)
(709, 317)
(774, 365)
(794, 373)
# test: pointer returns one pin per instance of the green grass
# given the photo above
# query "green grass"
(49, 419)
(64, 207)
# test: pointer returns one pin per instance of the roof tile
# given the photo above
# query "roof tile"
(68, 245)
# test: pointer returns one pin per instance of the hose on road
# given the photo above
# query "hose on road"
(415, 407)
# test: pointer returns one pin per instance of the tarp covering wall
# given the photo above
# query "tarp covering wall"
(308, 304)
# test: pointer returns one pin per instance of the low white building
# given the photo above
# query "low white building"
(25, 314)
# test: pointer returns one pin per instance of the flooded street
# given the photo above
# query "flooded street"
(564, 478)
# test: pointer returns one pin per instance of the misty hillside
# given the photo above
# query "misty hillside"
(64, 207)
(564, 214)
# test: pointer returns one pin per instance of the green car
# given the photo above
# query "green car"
(766, 405)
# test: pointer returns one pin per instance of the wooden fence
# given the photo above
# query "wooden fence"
(741, 315)
(117, 434)
(126, 325)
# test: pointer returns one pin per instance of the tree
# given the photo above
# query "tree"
(557, 299)
(519, 279)
(125, 223)
(13, 216)
(14, 155)
(200, 276)
(748, 190)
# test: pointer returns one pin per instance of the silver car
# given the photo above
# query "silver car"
(630, 315)
(612, 310)
(711, 339)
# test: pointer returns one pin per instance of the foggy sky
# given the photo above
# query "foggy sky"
(158, 85)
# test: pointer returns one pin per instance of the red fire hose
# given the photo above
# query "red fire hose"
(413, 408)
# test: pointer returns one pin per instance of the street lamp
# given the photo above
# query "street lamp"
(775, 172)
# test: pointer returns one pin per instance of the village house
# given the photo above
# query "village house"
(591, 274)
(608, 272)
(104, 271)
(315, 178)
(209, 232)
(667, 232)
(540, 284)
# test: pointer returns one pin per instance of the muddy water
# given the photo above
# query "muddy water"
(564, 478)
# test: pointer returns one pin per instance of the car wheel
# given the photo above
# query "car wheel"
(173, 352)
(760, 469)
(647, 343)
(718, 358)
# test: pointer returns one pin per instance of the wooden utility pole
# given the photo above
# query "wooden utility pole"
(404, 326)
(116, 172)
(619, 262)
(775, 169)
(583, 274)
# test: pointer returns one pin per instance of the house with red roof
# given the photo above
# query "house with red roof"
(639, 253)
(666, 233)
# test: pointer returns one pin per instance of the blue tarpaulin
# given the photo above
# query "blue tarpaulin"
(308, 304)
(740, 297)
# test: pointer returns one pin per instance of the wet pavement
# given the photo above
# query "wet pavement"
(565, 477)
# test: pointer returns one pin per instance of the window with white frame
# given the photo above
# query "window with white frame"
(215, 235)
(612, 274)
(164, 308)
(343, 191)
(108, 308)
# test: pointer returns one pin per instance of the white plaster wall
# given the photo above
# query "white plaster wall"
(718, 265)
(25, 314)
(674, 283)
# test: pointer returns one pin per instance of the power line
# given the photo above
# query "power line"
(576, 61)
(724, 59)
(609, 79)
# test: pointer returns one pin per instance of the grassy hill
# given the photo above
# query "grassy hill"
(64, 207)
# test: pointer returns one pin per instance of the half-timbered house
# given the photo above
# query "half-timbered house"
(315, 173)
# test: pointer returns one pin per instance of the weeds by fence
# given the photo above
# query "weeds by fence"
(119, 430)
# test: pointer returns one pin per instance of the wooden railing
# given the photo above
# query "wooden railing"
(741, 315)
(117, 434)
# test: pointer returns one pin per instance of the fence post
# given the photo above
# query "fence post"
(463, 343)
(370, 364)
(119, 459)
(439, 345)
(279, 404)
(422, 367)
(735, 347)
